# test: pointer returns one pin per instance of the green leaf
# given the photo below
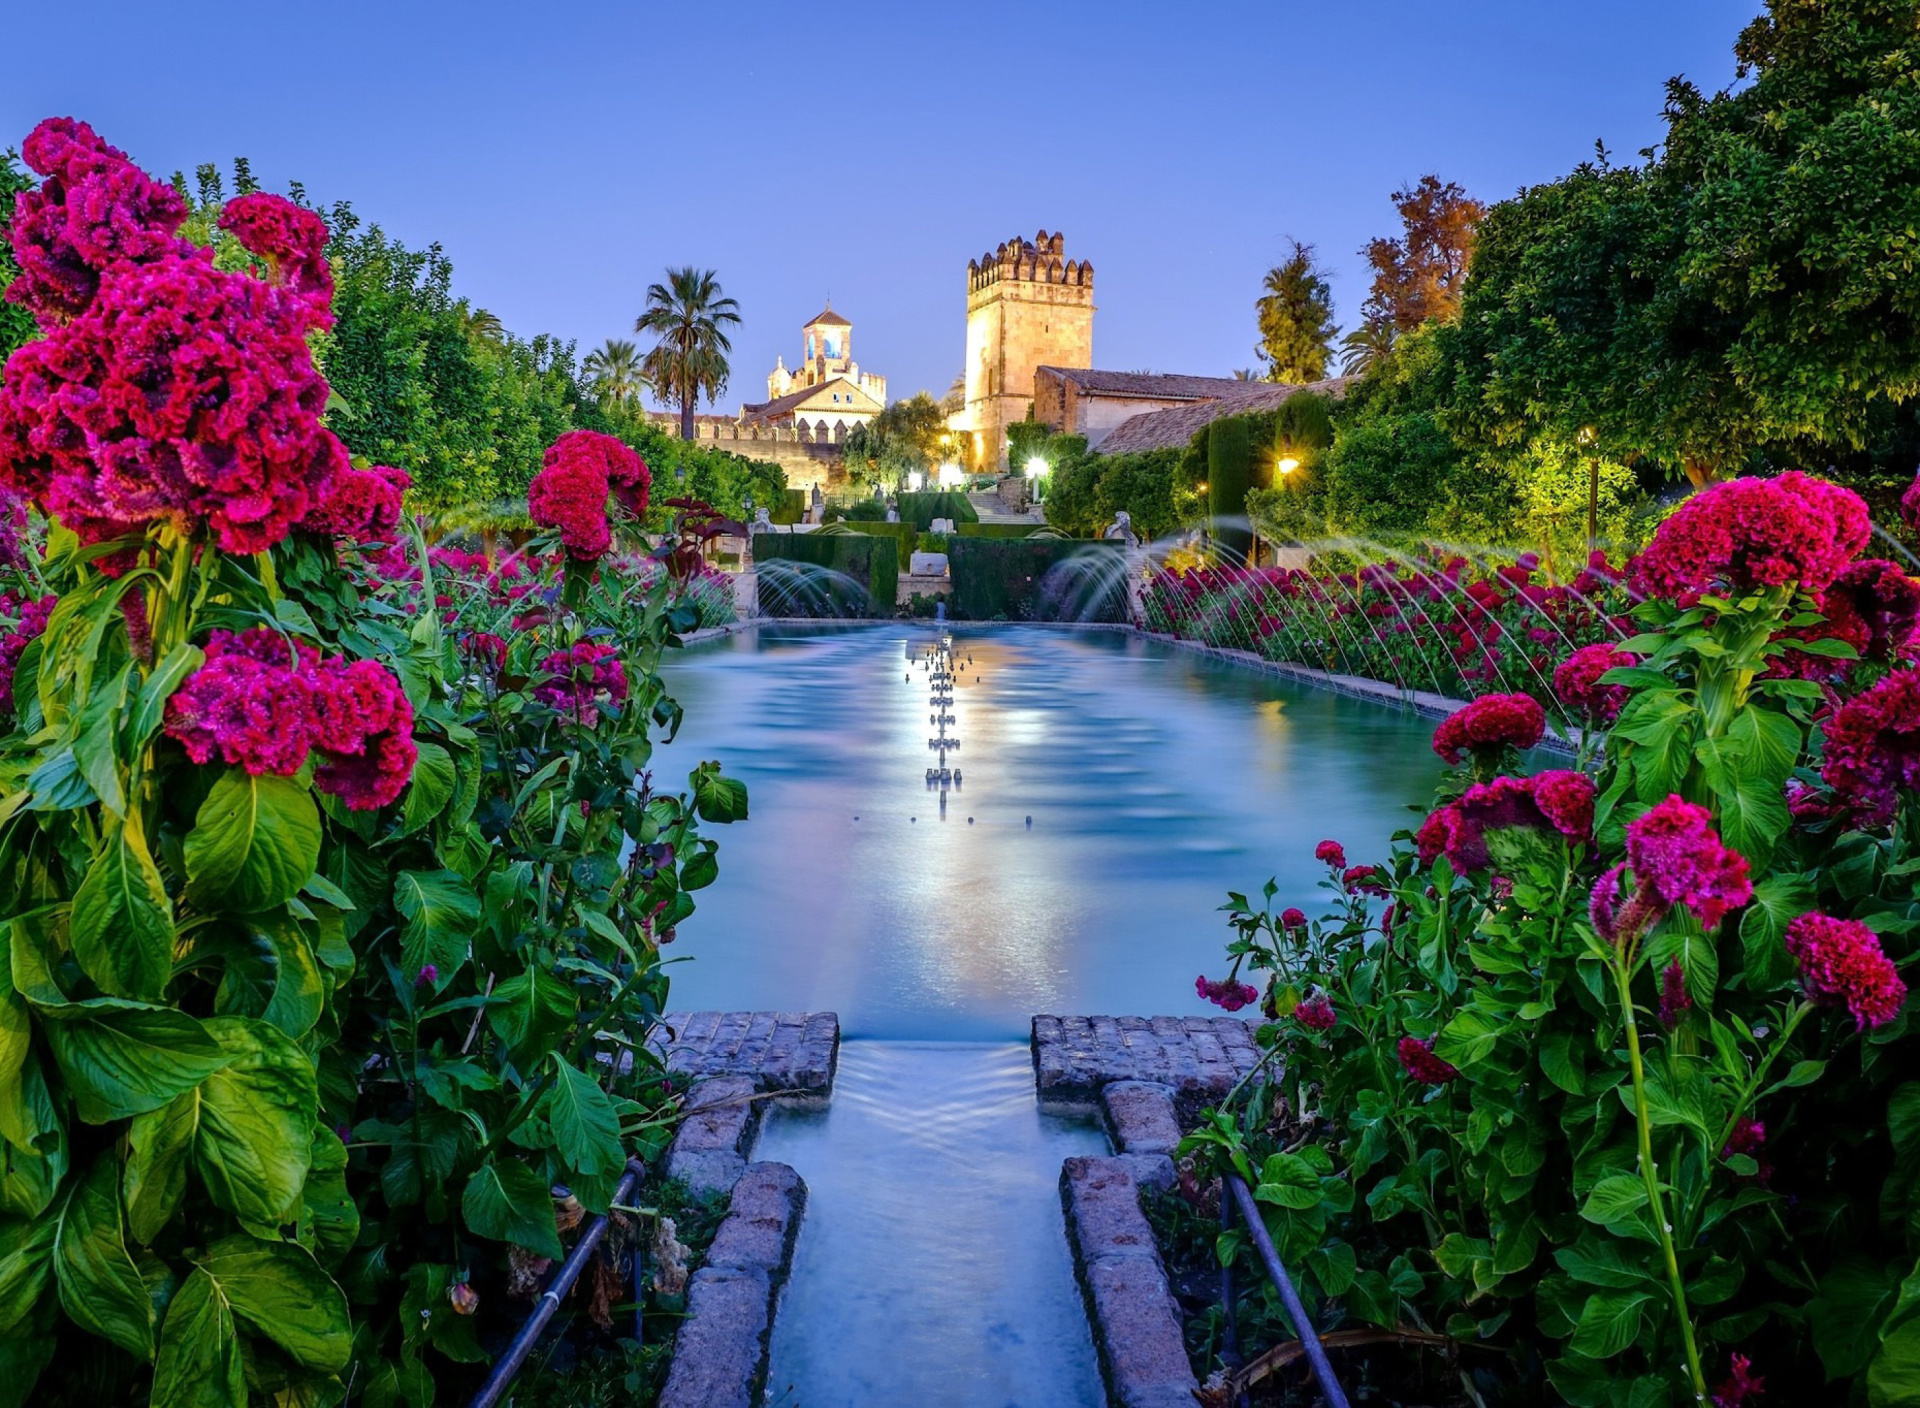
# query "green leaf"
(1468, 1039)
(199, 1364)
(1288, 1181)
(432, 787)
(93, 745)
(701, 868)
(586, 1129)
(1771, 741)
(279, 1292)
(530, 1013)
(1602, 1261)
(122, 1061)
(272, 974)
(508, 1202)
(1679, 940)
(256, 1122)
(1610, 1323)
(1846, 1314)
(441, 911)
(1831, 646)
(1557, 1062)
(28, 1120)
(1777, 902)
(329, 1210)
(160, 1143)
(254, 842)
(100, 1287)
(1614, 1198)
(718, 799)
(26, 1265)
(150, 706)
(122, 923)
(1893, 1379)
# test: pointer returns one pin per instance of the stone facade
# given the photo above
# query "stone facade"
(1026, 308)
(1083, 401)
(828, 356)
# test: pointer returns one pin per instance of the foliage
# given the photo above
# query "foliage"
(832, 572)
(1628, 1142)
(612, 372)
(921, 508)
(1026, 440)
(1418, 277)
(16, 324)
(295, 1050)
(1229, 476)
(907, 437)
(1036, 579)
(1296, 318)
(688, 318)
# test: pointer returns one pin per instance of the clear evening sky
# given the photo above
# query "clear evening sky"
(565, 154)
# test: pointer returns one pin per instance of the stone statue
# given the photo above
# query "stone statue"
(1121, 529)
(816, 505)
(893, 513)
(762, 521)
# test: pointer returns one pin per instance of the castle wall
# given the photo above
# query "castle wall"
(1026, 308)
(807, 459)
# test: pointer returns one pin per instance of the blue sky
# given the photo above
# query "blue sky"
(565, 154)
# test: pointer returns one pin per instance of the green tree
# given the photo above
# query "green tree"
(688, 318)
(16, 326)
(1365, 345)
(1296, 318)
(907, 437)
(1229, 476)
(613, 373)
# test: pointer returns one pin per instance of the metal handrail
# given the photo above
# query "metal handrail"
(509, 1364)
(1289, 1297)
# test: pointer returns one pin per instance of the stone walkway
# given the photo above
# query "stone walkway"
(781, 1053)
(1198, 1058)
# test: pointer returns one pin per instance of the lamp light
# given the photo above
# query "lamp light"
(1288, 464)
(1036, 467)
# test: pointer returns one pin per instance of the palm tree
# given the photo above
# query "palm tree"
(613, 372)
(480, 324)
(687, 315)
(1365, 345)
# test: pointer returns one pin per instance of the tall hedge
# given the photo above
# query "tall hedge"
(1015, 580)
(1229, 476)
(920, 509)
(871, 562)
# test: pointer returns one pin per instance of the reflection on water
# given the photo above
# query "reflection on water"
(1156, 780)
(932, 1268)
(1115, 790)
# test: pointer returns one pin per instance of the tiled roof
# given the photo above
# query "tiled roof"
(1152, 385)
(829, 316)
(793, 400)
(1174, 427)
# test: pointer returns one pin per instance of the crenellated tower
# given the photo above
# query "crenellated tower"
(1027, 307)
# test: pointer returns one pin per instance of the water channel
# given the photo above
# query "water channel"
(1114, 789)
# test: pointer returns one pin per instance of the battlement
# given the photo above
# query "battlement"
(1034, 261)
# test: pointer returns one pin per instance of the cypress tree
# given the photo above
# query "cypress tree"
(1229, 474)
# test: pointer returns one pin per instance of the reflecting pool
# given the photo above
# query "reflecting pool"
(1113, 790)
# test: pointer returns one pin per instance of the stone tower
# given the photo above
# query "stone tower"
(1026, 308)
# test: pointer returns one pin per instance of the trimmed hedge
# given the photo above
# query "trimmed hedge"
(867, 558)
(1014, 580)
(904, 534)
(922, 508)
(791, 508)
(997, 530)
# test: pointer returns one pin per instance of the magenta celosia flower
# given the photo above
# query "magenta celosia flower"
(1750, 533)
(1225, 992)
(1873, 747)
(1363, 880)
(362, 505)
(1316, 1013)
(246, 713)
(1748, 1137)
(1556, 802)
(1674, 849)
(427, 976)
(1419, 1062)
(1331, 853)
(585, 679)
(30, 616)
(1674, 1000)
(581, 469)
(1293, 919)
(96, 212)
(291, 241)
(485, 648)
(1489, 725)
(1874, 606)
(1577, 683)
(363, 730)
(1841, 961)
(1740, 1385)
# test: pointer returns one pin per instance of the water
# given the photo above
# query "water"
(1114, 790)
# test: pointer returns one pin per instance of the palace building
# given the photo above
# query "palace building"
(827, 392)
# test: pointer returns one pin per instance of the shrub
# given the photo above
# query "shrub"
(1229, 475)
(920, 509)
(1036, 579)
(825, 573)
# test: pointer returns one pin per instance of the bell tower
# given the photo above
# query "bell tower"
(1026, 308)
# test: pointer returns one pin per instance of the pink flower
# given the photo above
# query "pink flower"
(1488, 725)
(248, 712)
(1331, 853)
(1674, 1000)
(1419, 1062)
(1841, 961)
(1316, 1013)
(570, 492)
(426, 977)
(362, 505)
(1748, 1137)
(1577, 683)
(363, 730)
(1873, 747)
(586, 678)
(1739, 1385)
(1226, 992)
(485, 648)
(30, 617)
(1363, 880)
(1558, 802)
(291, 241)
(1291, 919)
(1675, 851)
(1749, 533)
(1875, 606)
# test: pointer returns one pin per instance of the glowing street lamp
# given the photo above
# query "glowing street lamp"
(1288, 464)
(1036, 467)
(916, 481)
(950, 475)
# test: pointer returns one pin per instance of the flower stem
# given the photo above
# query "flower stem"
(1644, 1121)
